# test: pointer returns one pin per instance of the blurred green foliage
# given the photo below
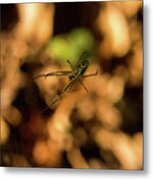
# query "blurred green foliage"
(70, 46)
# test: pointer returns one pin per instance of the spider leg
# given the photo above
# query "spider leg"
(58, 98)
(83, 85)
(89, 75)
(71, 65)
(57, 73)
(65, 90)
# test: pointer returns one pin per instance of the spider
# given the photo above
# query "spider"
(76, 74)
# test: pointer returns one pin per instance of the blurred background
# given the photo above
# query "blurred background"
(101, 129)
